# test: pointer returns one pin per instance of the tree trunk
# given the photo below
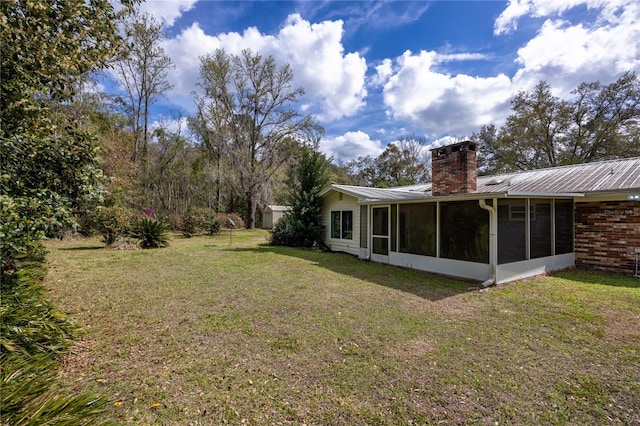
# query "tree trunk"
(251, 211)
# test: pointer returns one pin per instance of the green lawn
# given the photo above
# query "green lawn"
(208, 332)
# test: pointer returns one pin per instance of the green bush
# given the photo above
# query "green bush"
(111, 223)
(282, 233)
(302, 226)
(194, 222)
(224, 220)
(292, 232)
(213, 225)
(198, 222)
(151, 233)
(29, 323)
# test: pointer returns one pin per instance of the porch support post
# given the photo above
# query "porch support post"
(438, 229)
(493, 239)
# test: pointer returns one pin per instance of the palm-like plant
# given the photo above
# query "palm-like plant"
(30, 395)
(151, 233)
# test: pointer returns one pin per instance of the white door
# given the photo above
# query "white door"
(380, 242)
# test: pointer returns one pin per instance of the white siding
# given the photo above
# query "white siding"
(450, 267)
(268, 220)
(528, 268)
(331, 203)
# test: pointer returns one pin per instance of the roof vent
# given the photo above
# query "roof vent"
(494, 181)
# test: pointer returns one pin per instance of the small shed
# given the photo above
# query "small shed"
(272, 214)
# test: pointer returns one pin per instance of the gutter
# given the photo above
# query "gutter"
(493, 240)
(532, 194)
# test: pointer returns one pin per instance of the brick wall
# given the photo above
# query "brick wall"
(453, 169)
(606, 235)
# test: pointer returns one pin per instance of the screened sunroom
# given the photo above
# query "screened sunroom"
(454, 237)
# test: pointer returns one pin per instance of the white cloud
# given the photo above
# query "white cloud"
(508, 19)
(566, 55)
(452, 57)
(417, 90)
(333, 81)
(185, 51)
(167, 11)
(317, 57)
(92, 87)
(383, 72)
(173, 125)
(351, 145)
(439, 102)
(444, 141)
(507, 22)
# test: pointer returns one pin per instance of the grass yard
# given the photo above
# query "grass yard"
(204, 332)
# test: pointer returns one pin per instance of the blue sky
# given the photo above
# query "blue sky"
(374, 71)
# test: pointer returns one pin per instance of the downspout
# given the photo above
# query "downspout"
(493, 240)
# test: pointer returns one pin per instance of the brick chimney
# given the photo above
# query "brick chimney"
(454, 169)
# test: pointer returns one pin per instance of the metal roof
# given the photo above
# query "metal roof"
(372, 194)
(612, 175)
(573, 180)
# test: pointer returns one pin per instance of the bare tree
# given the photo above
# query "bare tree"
(142, 69)
(403, 162)
(248, 101)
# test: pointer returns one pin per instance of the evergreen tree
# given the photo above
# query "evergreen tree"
(302, 227)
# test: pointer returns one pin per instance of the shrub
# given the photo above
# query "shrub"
(194, 222)
(282, 233)
(111, 223)
(303, 225)
(213, 225)
(291, 231)
(224, 220)
(151, 233)
(198, 222)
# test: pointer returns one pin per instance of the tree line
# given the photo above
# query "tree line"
(599, 122)
(234, 152)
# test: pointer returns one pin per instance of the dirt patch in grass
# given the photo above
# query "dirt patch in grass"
(412, 349)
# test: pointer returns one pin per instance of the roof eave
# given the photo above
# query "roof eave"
(531, 194)
(337, 189)
(476, 196)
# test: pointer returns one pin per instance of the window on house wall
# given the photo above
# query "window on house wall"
(342, 224)
(335, 224)
(417, 229)
(347, 225)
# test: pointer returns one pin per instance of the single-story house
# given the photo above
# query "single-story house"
(493, 229)
(272, 214)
